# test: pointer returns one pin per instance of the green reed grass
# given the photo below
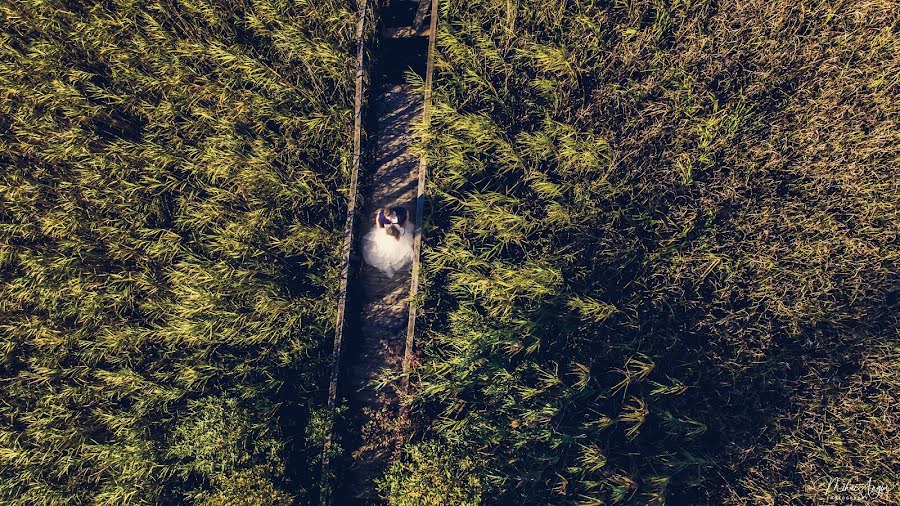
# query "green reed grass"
(172, 189)
(661, 259)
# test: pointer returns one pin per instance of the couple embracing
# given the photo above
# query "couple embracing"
(389, 245)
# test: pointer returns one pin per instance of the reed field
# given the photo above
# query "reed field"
(172, 195)
(660, 260)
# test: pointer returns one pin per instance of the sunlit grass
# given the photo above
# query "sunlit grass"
(172, 189)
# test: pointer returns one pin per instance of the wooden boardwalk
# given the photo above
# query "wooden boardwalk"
(375, 324)
(378, 345)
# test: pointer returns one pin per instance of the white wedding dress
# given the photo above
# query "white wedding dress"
(386, 253)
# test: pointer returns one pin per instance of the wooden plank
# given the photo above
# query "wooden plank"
(420, 201)
(378, 345)
(421, 12)
(326, 482)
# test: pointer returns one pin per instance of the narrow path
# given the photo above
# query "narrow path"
(379, 343)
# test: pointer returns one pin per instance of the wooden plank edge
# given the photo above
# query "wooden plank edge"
(326, 481)
(420, 202)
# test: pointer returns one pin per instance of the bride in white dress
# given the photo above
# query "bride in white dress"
(389, 245)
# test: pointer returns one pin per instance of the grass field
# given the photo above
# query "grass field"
(661, 259)
(172, 195)
(659, 262)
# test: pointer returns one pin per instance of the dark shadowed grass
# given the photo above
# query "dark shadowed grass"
(661, 259)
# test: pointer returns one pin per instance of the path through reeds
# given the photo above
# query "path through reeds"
(377, 348)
